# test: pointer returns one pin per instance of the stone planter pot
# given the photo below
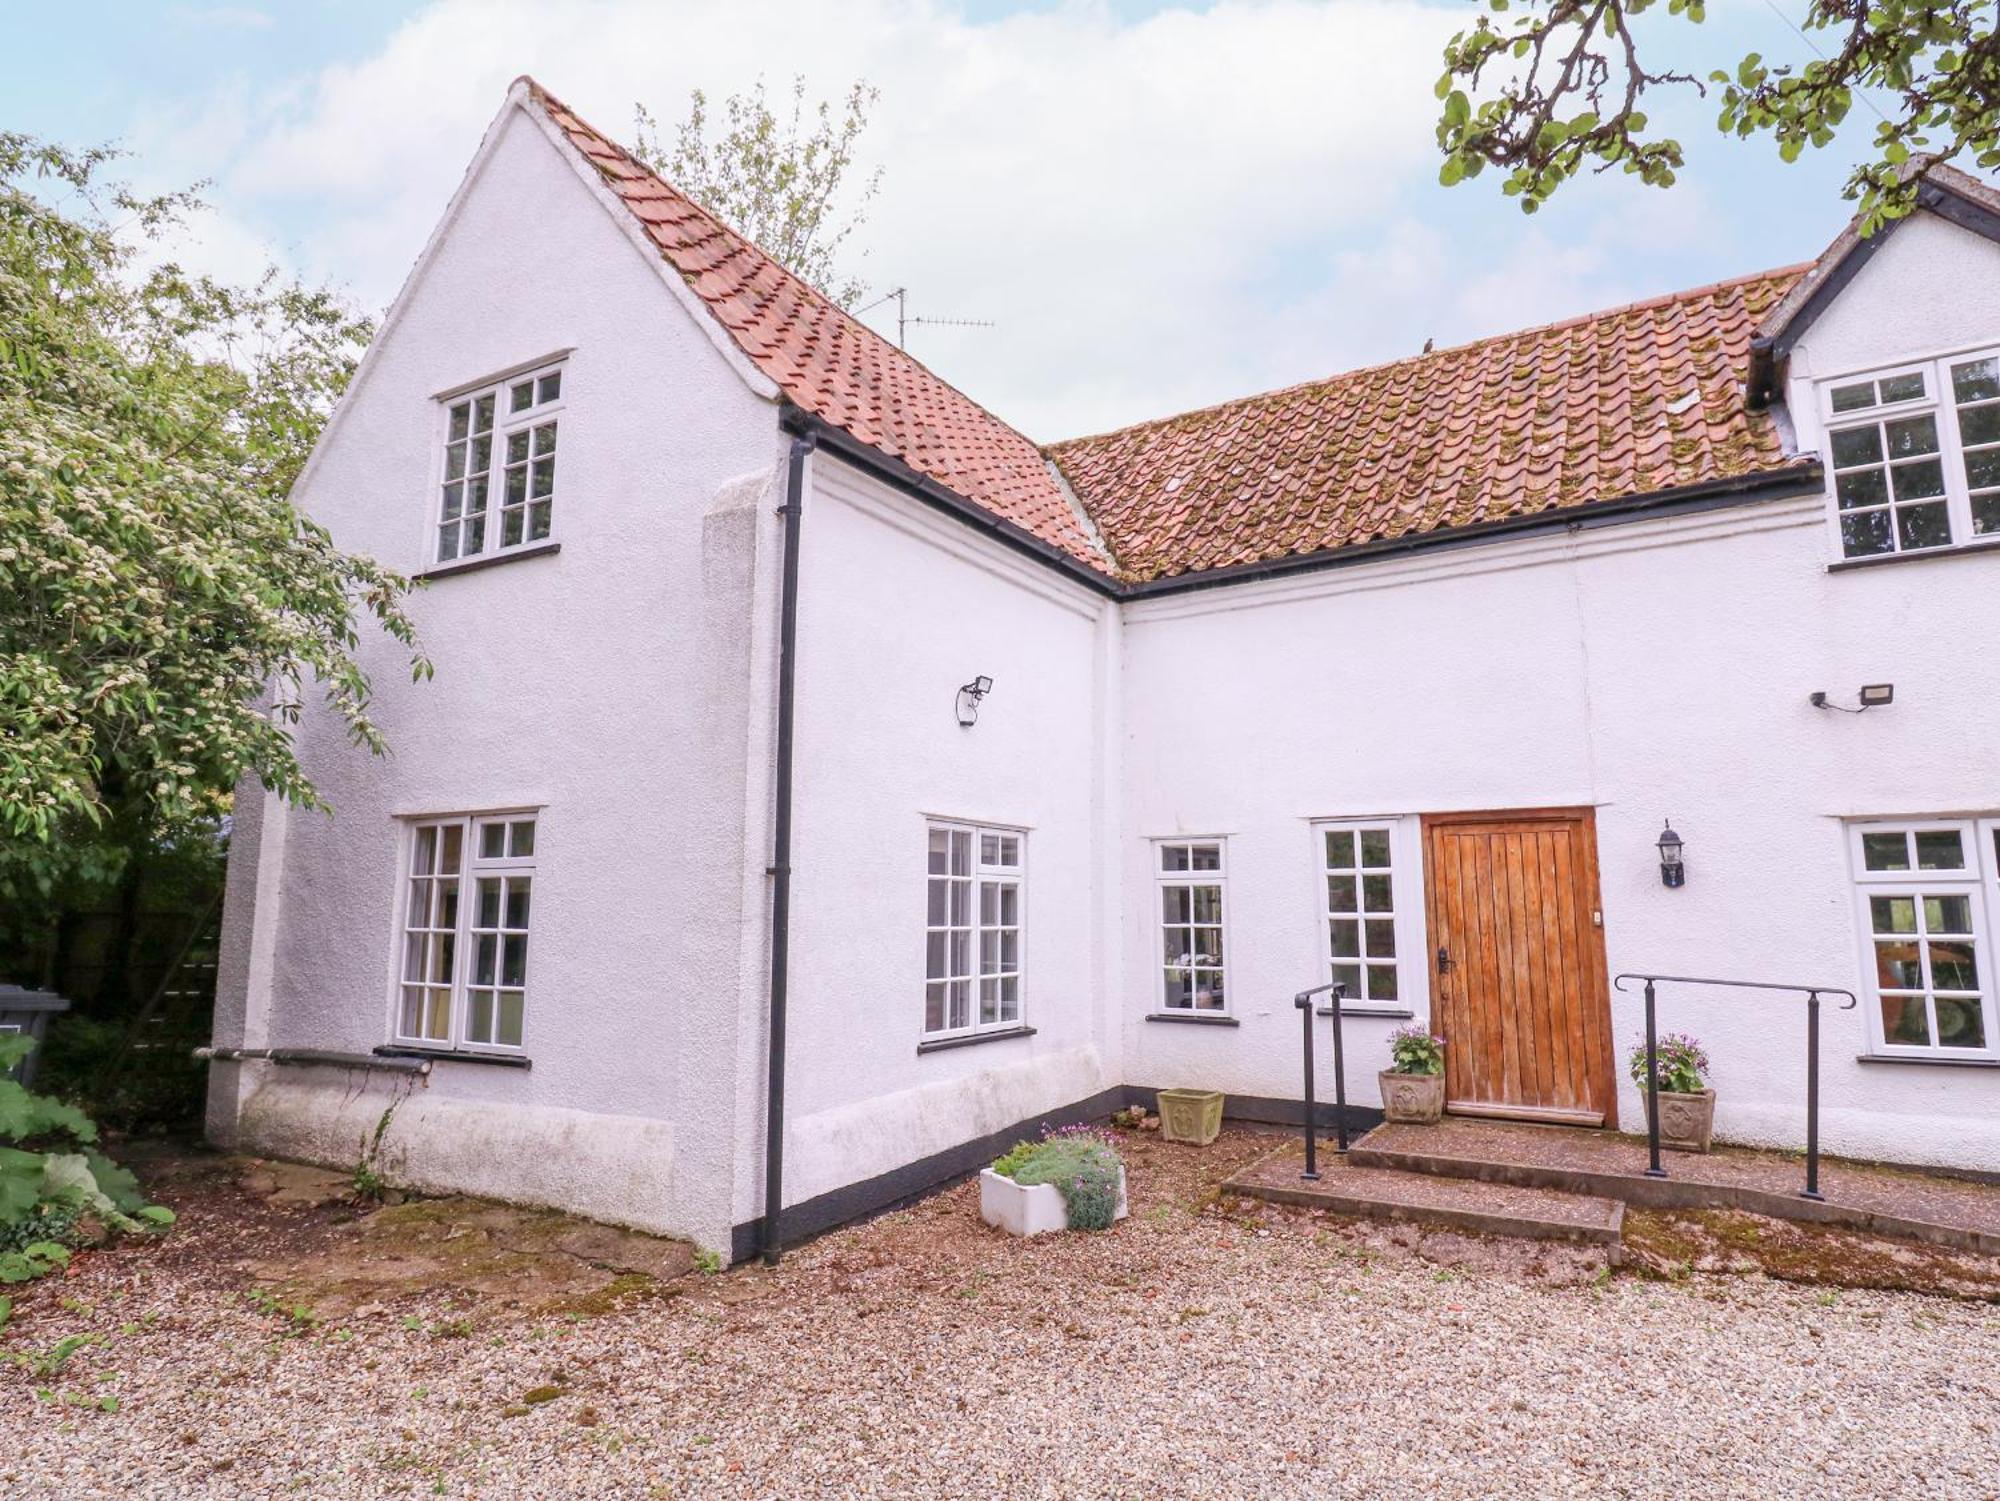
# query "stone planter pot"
(1030, 1209)
(1687, 1121)
(1412, 1099)
(1190, 1115)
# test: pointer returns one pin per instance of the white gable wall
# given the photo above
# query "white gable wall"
(595, 683)
(1931, 288)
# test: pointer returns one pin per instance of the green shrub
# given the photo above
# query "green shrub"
(57, 1191)
(1413, 1050)
(1082, 1165)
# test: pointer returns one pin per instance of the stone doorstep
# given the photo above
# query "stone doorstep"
(1386, 1194)
(1668, 1193)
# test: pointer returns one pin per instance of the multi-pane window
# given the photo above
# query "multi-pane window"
(1925, 896)
(972, 929)
(465, 931)
(1361, 912)
(1915, 456)
(1190, 880)
(499, 482)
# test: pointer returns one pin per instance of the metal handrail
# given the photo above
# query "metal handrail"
(1812, 993)
(1304, 1001)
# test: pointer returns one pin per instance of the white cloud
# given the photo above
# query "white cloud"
(1156, 213)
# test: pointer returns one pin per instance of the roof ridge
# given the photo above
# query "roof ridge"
(543, 97)
(1643, 304)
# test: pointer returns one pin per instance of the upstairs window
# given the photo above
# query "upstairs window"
(1915, 456)
(499, 485)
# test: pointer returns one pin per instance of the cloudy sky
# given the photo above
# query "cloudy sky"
(1158, 206)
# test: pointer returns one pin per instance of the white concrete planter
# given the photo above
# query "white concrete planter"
(1030, 1209)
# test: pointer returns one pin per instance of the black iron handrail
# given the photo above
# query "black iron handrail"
(1812, 993)
(1304, 1001)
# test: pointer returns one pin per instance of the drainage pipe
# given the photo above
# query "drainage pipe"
(781, 851)
(316, 1055)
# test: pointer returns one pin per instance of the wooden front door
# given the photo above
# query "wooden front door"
(1517, 965)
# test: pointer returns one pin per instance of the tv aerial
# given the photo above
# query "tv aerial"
(904, 320)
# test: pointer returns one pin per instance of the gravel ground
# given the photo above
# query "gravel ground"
(1198, 1349)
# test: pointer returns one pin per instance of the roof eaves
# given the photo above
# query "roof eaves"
(1794, 478)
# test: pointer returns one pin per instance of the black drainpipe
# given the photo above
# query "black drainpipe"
(781, 852)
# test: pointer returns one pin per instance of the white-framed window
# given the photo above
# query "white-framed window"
(1926, 894)
(1371, 912)
(1914, 454)
(498, 489)
(468, 891)
(1192, 969)
(974, 913)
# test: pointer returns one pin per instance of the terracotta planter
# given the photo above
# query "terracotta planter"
(1190, 1115)
(1030, 1208)
(1687, 1121)
(1412, 1099)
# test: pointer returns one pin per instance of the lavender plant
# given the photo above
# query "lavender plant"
(1083, 1165)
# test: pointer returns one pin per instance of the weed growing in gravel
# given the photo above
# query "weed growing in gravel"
(708, 1263)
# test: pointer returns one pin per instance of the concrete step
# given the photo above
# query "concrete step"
(1346, 1187)
(1493, 1155)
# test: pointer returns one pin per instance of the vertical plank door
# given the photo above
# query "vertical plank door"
(1517, 965)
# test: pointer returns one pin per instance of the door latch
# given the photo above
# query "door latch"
(1444, 960)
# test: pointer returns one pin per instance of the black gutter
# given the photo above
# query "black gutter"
(1703, 495)
(793, 511)
(912, 482)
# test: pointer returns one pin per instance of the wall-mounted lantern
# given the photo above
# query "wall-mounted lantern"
(969, 697)
(1673, 872)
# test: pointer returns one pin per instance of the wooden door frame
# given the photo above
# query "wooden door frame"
(1603, 1069)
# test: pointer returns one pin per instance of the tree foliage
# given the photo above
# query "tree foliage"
(1558, 88)
(777, 181)
(155, 578)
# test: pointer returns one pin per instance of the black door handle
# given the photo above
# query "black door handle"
(1444, 960)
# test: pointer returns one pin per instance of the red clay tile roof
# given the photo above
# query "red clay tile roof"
(833, 365)
(1590, 409)
(1593, 409)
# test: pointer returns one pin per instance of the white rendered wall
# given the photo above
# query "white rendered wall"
(1650, 670)
(898, 607)
(609, 685)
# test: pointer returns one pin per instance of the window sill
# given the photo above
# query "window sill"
(1956, 550)
(455, 1055)
(945, 1044)
(1194, 1018)
(1392, 1013)
(489, 560)
(1928, 1062)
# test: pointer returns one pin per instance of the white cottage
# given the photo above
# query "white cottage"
(822, 784)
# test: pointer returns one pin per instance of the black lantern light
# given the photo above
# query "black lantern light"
(969, 696)
(1672, 871)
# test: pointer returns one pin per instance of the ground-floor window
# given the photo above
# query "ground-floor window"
(1928, 892)
(466, 902)
(1190, 878)
(1369, 901)
(973, 913)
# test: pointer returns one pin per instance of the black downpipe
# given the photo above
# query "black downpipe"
(793, 510)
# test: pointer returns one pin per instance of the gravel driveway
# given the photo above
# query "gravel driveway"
(1198, 1349)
